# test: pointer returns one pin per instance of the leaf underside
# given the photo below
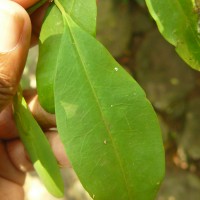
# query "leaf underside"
(108, 127)
(177, 21)
(49, 45)
(38, 148)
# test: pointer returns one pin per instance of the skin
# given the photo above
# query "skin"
(14, 161)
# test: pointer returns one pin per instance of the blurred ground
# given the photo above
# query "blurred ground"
(129, 33)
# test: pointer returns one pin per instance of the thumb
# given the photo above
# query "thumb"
(15, 32)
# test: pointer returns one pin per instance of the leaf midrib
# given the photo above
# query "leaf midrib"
(101, 113)
(65, 17)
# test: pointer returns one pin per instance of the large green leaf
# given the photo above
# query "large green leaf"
(108, 127)
(178, 23)
(85, 15)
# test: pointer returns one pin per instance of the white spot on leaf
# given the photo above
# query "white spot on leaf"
(116, 69)
(158, 183)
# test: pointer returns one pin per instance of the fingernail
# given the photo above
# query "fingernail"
(11, 26)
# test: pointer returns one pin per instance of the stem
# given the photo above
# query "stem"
(60, 7)
(36, 6)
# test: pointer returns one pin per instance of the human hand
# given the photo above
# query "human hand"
(15, 40)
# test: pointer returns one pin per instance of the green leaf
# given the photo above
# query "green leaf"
(38, 148)
(49, 45)
(52, 29)
(108, 127)
(84, 14)
(178, 23)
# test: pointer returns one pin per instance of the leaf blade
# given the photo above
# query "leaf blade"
(52, 29)
(96, 126)
(178, 23)
(84, 14)
(49, 44)
(38, 148)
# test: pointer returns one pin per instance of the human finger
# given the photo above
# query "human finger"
(15, 32)
(18, 155)
(58, 148)
(45, 120)
(20, 159)
(11, 179)
(8, 128)
(7, 169)
(37, 18)
(26, 3)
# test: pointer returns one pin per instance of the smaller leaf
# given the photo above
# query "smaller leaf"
(49, 44)
(38, 148)
(49, 47)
